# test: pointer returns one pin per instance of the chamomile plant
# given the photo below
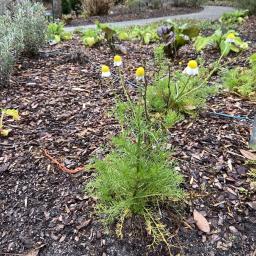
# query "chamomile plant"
(178, 94)
(137, 175)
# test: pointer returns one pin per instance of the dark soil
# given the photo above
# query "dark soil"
(121, 15)
(64, 108)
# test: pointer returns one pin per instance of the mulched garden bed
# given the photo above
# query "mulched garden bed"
(64, 109)
(125, 15)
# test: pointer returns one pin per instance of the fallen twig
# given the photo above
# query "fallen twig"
(62, 167)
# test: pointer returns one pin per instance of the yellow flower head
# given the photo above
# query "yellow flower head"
(140, 73)
(192, 64)
(117, 58)
(105, 71)
(231, 36)
(192, 68)
(118, 61)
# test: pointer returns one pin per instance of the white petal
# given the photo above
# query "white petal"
(191, 71)
(140, 78)
(229, 40)
(118, 63)
(105, 74)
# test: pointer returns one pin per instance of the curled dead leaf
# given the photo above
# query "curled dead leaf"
(201, 222)
(247, 154)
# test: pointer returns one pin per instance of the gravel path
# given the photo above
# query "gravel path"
(209, 12)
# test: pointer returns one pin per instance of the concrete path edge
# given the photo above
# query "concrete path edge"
(208, 13)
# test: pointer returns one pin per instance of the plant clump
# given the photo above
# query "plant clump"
(22, 31)
(137, 174)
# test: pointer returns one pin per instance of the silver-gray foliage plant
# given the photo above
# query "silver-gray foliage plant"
(21, 30)
(30, 18)
(11, 45)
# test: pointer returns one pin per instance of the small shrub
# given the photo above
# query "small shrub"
(11, 45)
(137, 172)
(242, 80)
(29, 18)
(137, 175)
(249, 5)
(7, 59)
(96, 7)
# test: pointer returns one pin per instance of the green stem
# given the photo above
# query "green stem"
(184, 88)
(169, 86)
(207, 78)
(123, 85)
(1, 119)
(145, 100)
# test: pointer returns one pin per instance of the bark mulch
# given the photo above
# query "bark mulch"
(64, 109)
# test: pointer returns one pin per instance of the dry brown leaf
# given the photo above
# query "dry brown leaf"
(201, 222)
(32, 252)
(249, 155)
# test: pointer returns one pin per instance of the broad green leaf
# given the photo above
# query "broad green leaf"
(201, 43)
(66, 36)
(90, 41)
(12, 113)
(123, 36)
(57, 38)
(225, 48)
(5, 132)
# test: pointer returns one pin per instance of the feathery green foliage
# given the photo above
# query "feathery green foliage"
(242, 80)
(137, 173)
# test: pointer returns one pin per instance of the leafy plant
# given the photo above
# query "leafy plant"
(107, 32)
(219, 40)
(237, 16)
(102, 32)
(242, 80)
(13, 113)
(57, 33)
(29, 18)
(174, 36)
(146, 34)
(91, 37)
(123, 36)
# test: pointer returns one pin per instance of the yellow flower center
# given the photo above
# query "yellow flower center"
(192, 64)
(231, 36)
(117, 58)
(105, 69)
(140, 72)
